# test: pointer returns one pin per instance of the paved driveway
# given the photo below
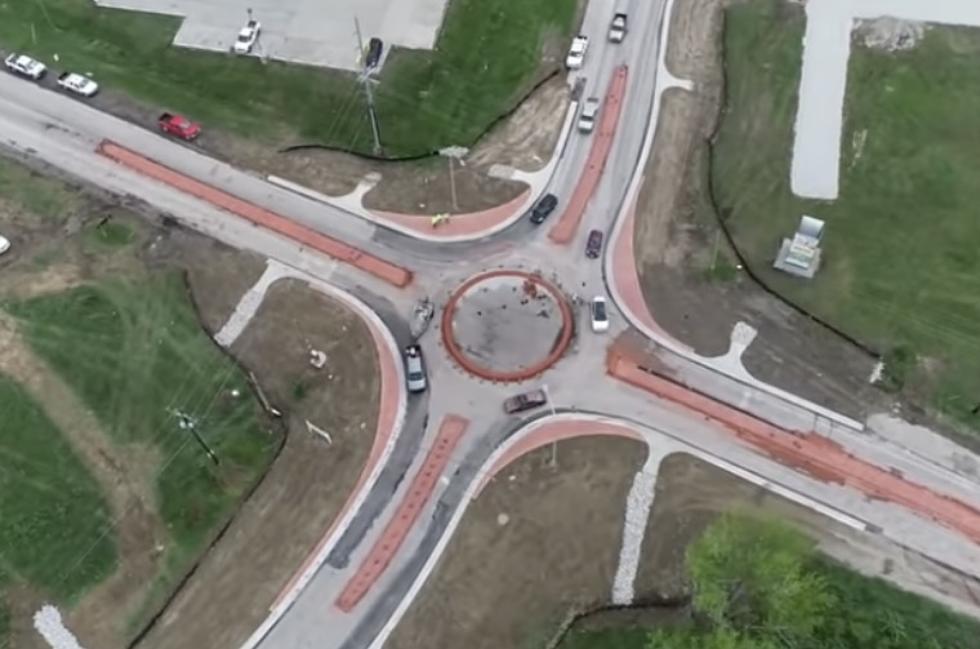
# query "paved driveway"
(314, 32)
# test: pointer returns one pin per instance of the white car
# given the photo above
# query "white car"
(25, 66)
(587, 117)
(576, 53)
(78, 84)
(247, 37)
(415, 369)
(4, 244)
(600, 316)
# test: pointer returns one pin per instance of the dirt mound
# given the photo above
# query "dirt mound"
(890, 34)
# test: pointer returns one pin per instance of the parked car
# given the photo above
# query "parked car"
(4, 244)
(617, 28)
(545, 206)
(593, 246)
(179, 126)
(374, 50)
(525, 401)
(587, 117)
(247, 37)
(415, 369)
(25, 66)
(576, 53)
(78, 84)
(600, 316)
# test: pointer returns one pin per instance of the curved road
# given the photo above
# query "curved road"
(67, 133)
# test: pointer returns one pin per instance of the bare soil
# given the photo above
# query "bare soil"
(537, 544)
(688, 273)
(692, 493)
(232, 590)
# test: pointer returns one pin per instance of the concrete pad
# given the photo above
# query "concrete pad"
(310, 32)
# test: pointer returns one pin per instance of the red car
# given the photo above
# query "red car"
(179, 126)
(525, 401)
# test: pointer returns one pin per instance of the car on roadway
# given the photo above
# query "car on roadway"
(179, 126)
(545, 206)
(374, 50)
(576, 53)
(617, 28)
(78, 84)
(593, 245)
(525, 401)
(25, 66)
(247, 36)
(415, 377)
(600, 315)
(588, 114)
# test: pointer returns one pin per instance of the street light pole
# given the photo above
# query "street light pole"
(365, 79)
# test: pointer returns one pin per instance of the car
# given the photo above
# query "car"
(178, 125)
(25, 66)
(374, 50)
(593, 246)
(600, 315)
(4, 244)
(576, 53)
(247, 36)
(617, 28)
(525, 401)
(415, 369)
(587, 117)
(78, 84)
(545, 206)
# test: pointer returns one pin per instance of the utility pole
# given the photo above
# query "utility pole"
(453, 153)
(365, 79)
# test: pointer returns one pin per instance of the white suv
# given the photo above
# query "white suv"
(587, 118)
(247, 37)
(25, 66)
(415, 369)
(600, 316)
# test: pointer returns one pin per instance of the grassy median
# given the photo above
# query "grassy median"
(488, 54)
(901, 269)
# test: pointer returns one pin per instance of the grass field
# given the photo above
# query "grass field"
(50, 506)
(134, 352)
(488, 54)
(901, 271)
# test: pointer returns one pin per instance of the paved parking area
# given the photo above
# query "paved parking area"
(313, 32)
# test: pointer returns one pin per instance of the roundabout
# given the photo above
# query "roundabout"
(507, 325)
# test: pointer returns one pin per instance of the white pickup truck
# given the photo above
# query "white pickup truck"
(617, 28)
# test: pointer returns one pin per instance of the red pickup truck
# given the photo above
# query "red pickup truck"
(179, 126)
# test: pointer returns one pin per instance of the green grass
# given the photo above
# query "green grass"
(46, 198)
(111, 234)
(135, 353)
(901, 269)
(57, 531)
(488, 54)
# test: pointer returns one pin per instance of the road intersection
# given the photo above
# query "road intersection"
(588, 387)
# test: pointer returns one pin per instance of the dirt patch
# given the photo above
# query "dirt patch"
(690, 277)
(890, 34)
(231, 592)
(527, 140)
(692, 493)
(537, 543)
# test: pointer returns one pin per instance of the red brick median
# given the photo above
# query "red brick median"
(450, 431)
(807, 452)
(387, 271)
(564, 231)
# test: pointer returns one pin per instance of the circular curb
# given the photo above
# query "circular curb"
(564, 338)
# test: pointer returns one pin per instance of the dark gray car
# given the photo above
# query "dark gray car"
(545, 206)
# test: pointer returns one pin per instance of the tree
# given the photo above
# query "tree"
(753, 576)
